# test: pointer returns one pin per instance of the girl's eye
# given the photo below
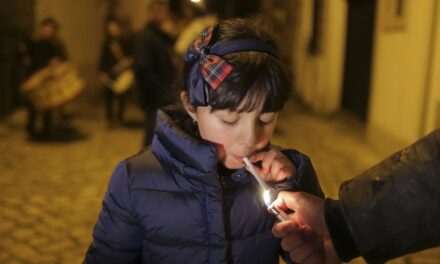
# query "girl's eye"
(229, 122)
(266, 122)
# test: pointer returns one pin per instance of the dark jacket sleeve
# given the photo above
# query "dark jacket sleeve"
(146, 64)
(105, 63)
(393, 209)
(154, 67)
(305, 179)
(117, 237)
(147, 69)
(339, 232)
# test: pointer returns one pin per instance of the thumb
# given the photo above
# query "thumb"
(288, 200)
(309, 209)
(284, 228)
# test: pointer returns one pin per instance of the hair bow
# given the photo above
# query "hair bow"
(211, 69)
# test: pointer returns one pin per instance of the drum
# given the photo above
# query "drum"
(123, 82)
(53, 86)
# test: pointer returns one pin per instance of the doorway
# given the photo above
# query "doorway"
(358, 57)
(17, 24)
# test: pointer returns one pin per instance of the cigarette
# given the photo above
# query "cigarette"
(257, 176)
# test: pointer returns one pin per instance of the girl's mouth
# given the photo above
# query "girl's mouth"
(238, 158)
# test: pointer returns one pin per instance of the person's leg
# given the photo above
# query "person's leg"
(30, 123)
(47, 122)
(108, 104)
(121, 107)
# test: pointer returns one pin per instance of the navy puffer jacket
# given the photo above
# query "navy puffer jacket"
(169, 205)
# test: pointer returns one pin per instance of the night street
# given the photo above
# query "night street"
(51, 191)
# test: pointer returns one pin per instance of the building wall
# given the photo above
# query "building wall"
(401, 66)
(136, 10)
(318, 77)
(433, 88)
(405, 84)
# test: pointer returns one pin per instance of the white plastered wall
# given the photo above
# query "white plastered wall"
(318, 77)
(136, 10)
(399, 76)
(433, 86)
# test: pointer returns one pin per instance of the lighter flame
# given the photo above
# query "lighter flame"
(266, 197)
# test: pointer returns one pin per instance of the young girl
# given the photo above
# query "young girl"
(190, 199)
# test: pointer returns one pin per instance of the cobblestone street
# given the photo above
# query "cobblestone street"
(51, 191)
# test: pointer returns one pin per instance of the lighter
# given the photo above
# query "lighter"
(282, 216)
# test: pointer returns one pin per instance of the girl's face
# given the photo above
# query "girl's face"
(235, 134)
(113, 29)
(47, 31)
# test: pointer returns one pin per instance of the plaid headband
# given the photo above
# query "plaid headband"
(210, 69)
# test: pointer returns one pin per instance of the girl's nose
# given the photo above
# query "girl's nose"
(249, 135)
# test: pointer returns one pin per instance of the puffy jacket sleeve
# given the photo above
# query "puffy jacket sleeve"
(393, 208)
(305, 179)
(117, 237)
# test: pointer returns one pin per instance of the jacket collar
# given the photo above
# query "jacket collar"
(182, 151)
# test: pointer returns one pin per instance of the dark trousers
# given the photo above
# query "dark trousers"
(110, 97)
(32, 122)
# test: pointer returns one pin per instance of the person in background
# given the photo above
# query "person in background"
(388, 211)
(189, 198)
(116, 58)
(39, 52)
(200, 17)
(153, 63)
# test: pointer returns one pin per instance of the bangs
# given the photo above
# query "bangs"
(257, 80)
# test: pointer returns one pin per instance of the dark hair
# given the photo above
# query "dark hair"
(257, 76)
(114, 19)
(49, 21)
